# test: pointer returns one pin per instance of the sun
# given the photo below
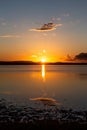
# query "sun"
(43, 60)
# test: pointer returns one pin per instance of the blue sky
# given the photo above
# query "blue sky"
(17, 17)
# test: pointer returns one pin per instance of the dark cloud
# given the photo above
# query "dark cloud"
(81, 56)
(46, 27)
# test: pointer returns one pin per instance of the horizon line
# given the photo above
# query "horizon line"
(21, 62)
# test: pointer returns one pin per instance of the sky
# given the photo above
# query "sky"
(25, 33)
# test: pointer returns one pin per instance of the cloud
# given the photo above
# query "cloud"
(66, 15)
(69, 58)
(9, 36)
(34, 56)
(2, 19)
(46, 27)
(58, 19)
(81, 56)
(55, 19)
(3, 23)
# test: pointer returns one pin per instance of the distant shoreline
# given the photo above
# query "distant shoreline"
(39, 63)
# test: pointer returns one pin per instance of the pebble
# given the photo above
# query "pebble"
(24, 114)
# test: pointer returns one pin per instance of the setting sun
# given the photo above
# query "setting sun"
(43, 60)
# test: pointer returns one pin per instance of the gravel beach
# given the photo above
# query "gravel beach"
(13, 116)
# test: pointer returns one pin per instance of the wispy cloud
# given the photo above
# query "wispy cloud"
(55, 19)
(66, 15)
(69, 58)
(46, 27)
(58, 19)
(34, 56)
(3, 23)
(2, 19)
(9, 36)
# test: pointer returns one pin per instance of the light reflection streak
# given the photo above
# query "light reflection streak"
(43, 72)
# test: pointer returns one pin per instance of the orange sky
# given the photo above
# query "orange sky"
(20, 21)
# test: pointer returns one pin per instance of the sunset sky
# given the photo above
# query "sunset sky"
(20, 39)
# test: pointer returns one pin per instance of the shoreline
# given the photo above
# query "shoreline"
(39, 63)
(26, 117)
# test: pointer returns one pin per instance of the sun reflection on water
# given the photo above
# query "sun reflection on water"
(43, 72)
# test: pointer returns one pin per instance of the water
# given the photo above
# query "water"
(64, 83)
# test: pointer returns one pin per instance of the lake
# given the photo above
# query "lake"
(65, 83)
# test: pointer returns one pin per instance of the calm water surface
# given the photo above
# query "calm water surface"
(64, 83)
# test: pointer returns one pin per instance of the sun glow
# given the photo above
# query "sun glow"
(43, 60)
